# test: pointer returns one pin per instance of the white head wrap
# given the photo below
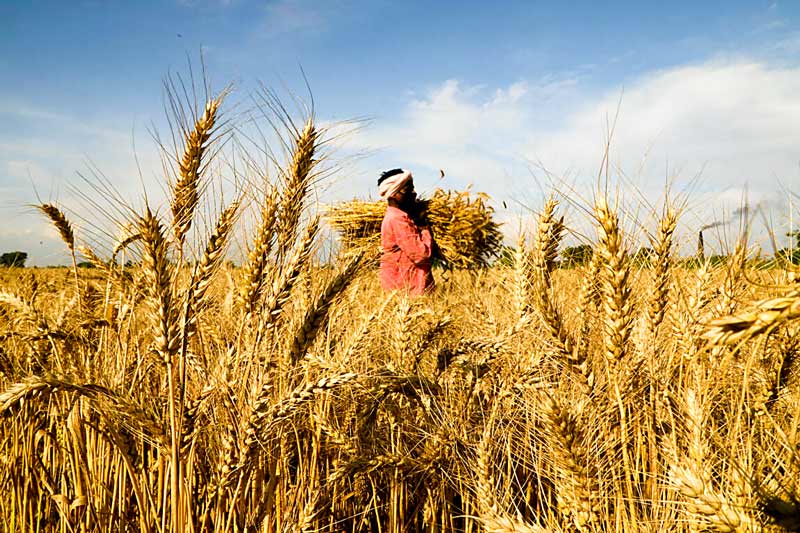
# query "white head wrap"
(392, 184)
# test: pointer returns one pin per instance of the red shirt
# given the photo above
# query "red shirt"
(406, 260)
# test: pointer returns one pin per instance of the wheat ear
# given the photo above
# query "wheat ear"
(105, 267)
(61, 223)
(615, 287)
(254, 270)
(111, 403)
(662, 245)
(617, 314)
(359, 337)
(123, 243)
(191, 415)
(17, 302)
(522, 278)
(484, 481)
(165, 312)
(713, 507)
(298, 182)
(64, 228)
(732, 282)
(496, 523)
(213, 254)
(401, 335)
(586, 297)
(159, 274)
(690, 474)
(767, 315)
(548, 237)
(577, 489)
(306, 516)
(490, 514)
(318, 311)
(264, 417)
(186, 190)
(489, 348)
(689, 310)
(283, 284)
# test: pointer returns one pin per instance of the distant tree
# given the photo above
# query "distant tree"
(796, 235)
(576, 255)
(644, 256)
(86, 264)
(716, 260)
(690, 262)
(789, 255)
(13, 259)
(506, 256)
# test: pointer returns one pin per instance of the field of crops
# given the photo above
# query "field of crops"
(181, 393)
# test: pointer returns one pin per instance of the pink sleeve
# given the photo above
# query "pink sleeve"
(415, 243)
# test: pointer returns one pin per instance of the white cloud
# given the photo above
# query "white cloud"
(43, 164)
(740, 118)
(735, 121)
(465, 130)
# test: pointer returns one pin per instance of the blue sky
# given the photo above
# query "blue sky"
(498, 94)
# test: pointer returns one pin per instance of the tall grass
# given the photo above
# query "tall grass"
(289, 395)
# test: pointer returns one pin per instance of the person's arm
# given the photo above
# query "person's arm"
(416, 243)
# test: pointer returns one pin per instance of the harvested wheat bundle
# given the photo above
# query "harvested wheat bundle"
(462, 225)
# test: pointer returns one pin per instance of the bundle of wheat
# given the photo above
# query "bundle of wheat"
(462, 225)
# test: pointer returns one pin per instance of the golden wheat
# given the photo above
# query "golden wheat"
(147, 397)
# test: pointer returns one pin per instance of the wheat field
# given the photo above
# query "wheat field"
(180, 393)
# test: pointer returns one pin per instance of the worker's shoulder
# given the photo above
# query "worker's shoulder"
(395, 214)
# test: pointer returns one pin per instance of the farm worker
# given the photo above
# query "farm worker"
(406, 242)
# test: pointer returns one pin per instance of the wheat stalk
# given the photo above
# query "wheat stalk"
(165, 312)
